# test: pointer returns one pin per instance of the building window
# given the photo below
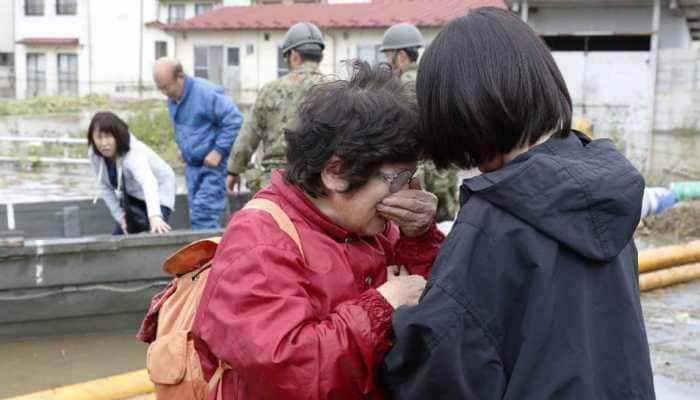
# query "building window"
(66, 7)
(7, 60)
(282, 66)
(209, 63)
(369, 53)
(68, 74)
(36, 74)
(201, 8)
(161, 49)
(176, 12)
(33, 7)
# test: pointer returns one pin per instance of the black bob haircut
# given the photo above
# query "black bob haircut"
(365, 121)
(487, 85)
(108, 122)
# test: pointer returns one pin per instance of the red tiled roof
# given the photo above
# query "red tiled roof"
(377, 14)
(49, 41)
(155, 24)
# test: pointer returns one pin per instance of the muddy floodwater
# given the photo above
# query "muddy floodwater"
(37, 364)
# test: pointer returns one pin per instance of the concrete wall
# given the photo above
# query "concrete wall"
(609, 21)
(75, 218)
(609, 87)
(84, 285)
(678, 91)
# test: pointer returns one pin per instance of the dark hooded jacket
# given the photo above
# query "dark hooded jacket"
(534, 294)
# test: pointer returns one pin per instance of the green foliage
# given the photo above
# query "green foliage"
(52, 104)
(65, 104)
(153, 127)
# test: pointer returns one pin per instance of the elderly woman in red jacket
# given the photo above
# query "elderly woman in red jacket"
(314, 323)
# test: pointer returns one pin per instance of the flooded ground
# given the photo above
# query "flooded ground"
(672, 318)
(20, 185)
(38, 364)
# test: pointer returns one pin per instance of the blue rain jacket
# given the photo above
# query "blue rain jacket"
(204, 119)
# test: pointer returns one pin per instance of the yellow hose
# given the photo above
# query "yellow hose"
(122, 386)
(669, 256)
(668, 277)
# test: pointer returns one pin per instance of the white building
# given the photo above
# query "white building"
(239, 47)
(77, 47)
(7, 49)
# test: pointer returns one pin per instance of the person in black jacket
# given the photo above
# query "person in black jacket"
(534, 294)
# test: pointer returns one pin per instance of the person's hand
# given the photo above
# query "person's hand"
(402, 289)
(158, 225)
(233, 184)
(123, 226)
(413, 209)
(212, 159)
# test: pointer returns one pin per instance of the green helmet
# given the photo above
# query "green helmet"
(303, 34)
(401, 36)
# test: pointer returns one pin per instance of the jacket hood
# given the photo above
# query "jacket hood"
(581, 193)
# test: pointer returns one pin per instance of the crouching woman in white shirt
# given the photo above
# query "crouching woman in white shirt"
(137, 186)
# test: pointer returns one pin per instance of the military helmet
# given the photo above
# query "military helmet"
(401, 36)
(303, 34)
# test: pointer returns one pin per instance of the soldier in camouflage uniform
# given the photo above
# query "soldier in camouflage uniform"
(275, 109)
(400, 46)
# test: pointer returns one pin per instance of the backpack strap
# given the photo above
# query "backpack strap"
(282, 219)
(287, 226)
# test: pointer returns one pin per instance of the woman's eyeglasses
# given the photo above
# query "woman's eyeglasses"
(398, 180)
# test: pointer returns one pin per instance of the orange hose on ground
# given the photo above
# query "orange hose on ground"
(667, 277)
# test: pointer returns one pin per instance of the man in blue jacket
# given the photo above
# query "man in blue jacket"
(206, 124)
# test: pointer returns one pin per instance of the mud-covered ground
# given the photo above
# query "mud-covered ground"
(673, 314)
(672, 318)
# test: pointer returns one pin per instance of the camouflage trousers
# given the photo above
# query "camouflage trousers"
(443, 184)
(256, 179)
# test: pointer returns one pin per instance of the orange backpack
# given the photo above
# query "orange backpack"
(172, 361)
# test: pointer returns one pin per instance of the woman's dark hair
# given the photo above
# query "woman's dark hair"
(108, 122)
(365, 121)
(487, 85)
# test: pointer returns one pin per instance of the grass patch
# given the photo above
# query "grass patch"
(153, 127)
(42, 105)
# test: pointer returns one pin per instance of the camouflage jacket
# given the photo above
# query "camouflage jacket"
(275, 109)
(442, 183)
(409, 72)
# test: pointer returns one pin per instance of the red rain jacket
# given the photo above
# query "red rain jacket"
(294, 327)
